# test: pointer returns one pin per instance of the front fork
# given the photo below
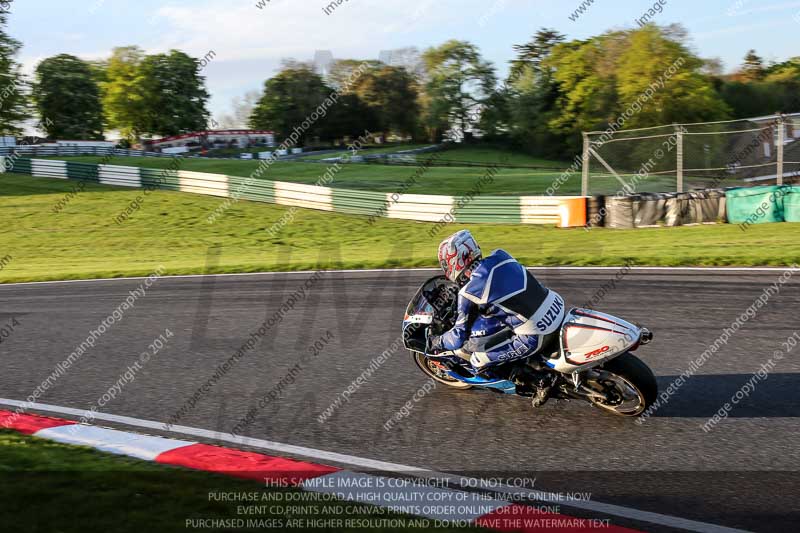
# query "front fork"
(578, 388)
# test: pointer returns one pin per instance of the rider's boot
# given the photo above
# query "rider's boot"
(542, 394)
(537, 385)
(544, 388)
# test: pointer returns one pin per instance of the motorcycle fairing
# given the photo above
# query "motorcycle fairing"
(502, 385)
(461, 358)
(588, 338)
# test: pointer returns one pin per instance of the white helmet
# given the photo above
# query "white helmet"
(457, 253)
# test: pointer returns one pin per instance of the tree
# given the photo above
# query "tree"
(531, 54)
(349, 117)
(752, 69)
(290, 63)
(785, 71)
(748, 100)
(391, 94)
(784, 78)
(687, 95)
(460, 84)
(343, 73)
(66, 92)
(530, 95)
(14, 106)
(643, 77)
(290, 99)
(777, 88)
(173, 94)
(123, 102)
(161, 94)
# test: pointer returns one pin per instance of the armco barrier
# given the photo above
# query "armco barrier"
(649, 210)
(619, 212)
(708, 206)
(596, 211)
(695, 207)
(663, 209)
(676, 208)
(563, 211)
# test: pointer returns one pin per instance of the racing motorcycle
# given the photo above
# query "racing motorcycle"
(590, 357)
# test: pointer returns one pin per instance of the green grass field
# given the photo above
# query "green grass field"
(124, 495)
(233, 152)
(83, 241)
(491, 155)
(370, 150)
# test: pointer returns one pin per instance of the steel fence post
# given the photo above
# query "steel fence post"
(585, 166)
(781, 141)
(679, 155)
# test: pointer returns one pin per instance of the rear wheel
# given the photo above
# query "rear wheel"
(433, 369)
(627, 381)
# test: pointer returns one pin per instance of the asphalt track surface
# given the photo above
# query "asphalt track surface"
(741, 474)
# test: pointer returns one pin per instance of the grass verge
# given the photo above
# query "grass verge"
(369, 150)
(171, 229)
(49, 486)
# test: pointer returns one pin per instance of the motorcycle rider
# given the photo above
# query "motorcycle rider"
(504, 313)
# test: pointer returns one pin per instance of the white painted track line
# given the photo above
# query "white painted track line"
(374, 270)
(371, 464)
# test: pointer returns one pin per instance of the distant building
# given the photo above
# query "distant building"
(408, 58)
(216, 138)
(385, 57)
(770, 138)
(323, 61)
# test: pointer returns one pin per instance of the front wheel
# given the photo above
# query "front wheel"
(432, 369)
(628, 383)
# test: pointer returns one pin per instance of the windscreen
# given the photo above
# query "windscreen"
(434, 298)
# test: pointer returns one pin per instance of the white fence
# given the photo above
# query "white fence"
(565, 211)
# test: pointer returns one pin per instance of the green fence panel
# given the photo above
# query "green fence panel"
(355, 202)
(791, 204)
(82, 171)
(257, 190)
(755, 205)
(19, 165)
(160, 178)
(488, 209)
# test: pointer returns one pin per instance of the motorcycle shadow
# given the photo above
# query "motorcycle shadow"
(747, 396)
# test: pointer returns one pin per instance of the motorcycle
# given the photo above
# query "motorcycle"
(588, 358)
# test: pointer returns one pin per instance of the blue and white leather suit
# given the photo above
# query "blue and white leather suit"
(502, 313)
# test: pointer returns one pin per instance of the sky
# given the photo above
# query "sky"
(249, 38)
